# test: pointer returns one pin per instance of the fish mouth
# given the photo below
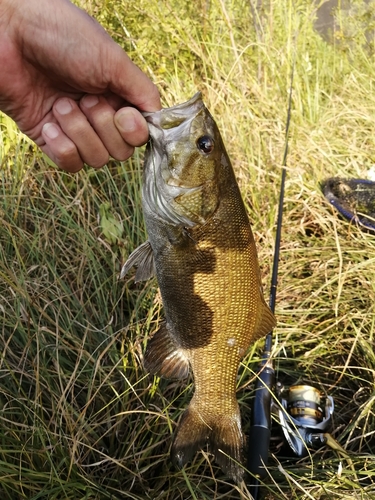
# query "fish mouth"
(174, 116)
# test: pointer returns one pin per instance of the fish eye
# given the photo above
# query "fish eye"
(205, 144)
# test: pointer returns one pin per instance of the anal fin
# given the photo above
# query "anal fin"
(143, 259)
(164, 357)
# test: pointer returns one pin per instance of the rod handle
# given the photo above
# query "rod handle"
(260, 430)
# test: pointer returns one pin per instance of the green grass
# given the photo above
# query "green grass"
(79, 417)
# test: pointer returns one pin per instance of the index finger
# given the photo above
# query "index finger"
(131, 83)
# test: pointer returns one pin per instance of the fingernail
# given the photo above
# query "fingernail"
(126, 121)
(89, 101)
(63, 106)
(51, 130)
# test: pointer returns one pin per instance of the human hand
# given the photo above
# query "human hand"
(68, 85)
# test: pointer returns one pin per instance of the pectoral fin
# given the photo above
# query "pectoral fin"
(164, 358)
(143, 259)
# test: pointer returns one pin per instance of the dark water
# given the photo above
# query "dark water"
(326, 23)
(346, 18)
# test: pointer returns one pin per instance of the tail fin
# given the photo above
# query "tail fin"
(222, 433)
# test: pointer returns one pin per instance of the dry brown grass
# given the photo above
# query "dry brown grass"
(79, 417)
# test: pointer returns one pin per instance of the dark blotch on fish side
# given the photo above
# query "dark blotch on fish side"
(353, 198)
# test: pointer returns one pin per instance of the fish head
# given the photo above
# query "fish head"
(182, 163)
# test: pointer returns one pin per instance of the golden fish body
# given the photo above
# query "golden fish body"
(203, 252)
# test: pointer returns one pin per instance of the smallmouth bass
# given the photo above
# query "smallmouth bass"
(203, 253)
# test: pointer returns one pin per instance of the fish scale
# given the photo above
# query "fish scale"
(203, 253)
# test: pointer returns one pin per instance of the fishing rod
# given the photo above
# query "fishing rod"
(260, 430)
(303, 412)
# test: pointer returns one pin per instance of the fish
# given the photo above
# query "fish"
(201, 248)
(353, 198)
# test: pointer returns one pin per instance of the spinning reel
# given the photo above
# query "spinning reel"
(305, 416)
